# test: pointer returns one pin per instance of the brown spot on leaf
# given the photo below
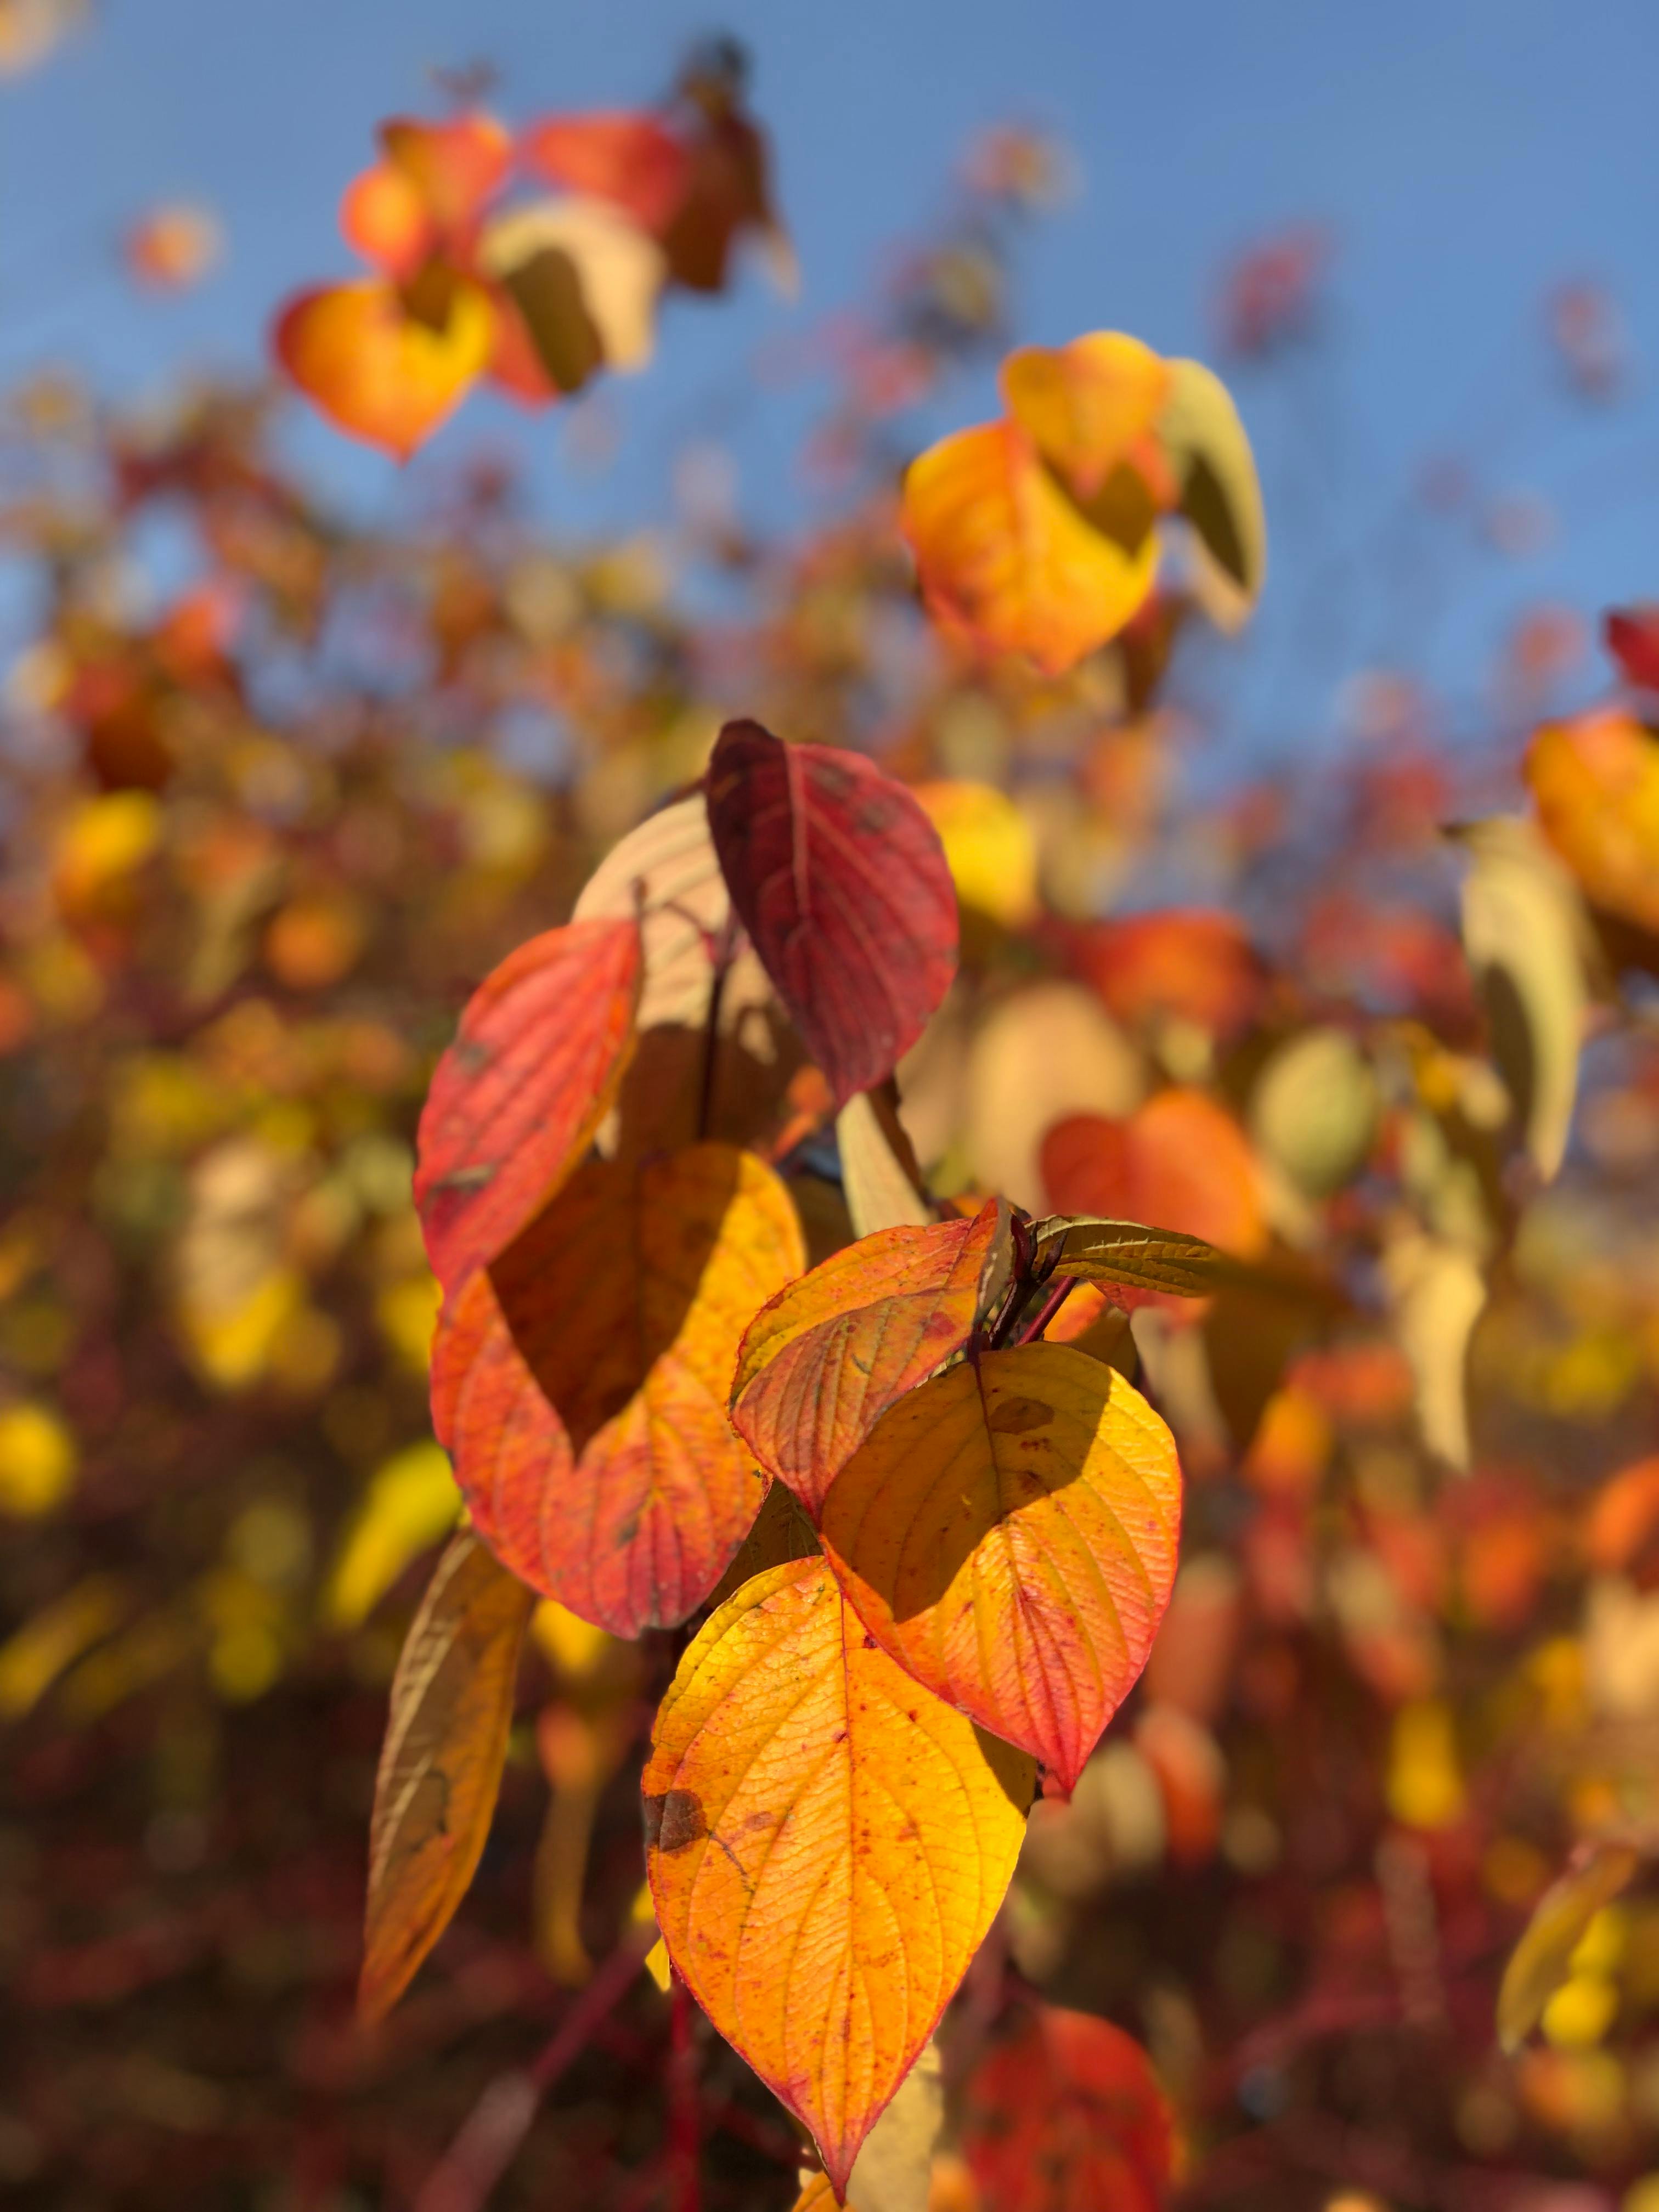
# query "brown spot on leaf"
(1017, 1417)
(674, 1819)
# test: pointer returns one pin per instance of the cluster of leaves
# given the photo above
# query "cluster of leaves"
(990, 1521)
(264, 837)
(539, 295)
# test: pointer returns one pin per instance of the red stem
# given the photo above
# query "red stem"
(491, 2136)
(1046, 1312)
(684, 2125)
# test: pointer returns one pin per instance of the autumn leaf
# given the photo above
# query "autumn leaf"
(1193, 962)
(1205, 446)
(1595, 782)
(633, 160)
(1005, 555)
(378, 371)
(580, 1386)
(456, 167)
(1181, 1160)
(879, 1177)
(1008, 1533)
(1090, 407)
(515, 1099)
(440, 1764)
(1063, 2112)
(840, 880)
(1524, 930)
(827, 1846)
(1539, 1963)
(823, 1362)
(384, 217)
(584, 281)
(667, 872)
(1126, 1254)
(1632, 639)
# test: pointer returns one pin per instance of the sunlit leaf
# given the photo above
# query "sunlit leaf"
(440, 1764)
(839, 879)
(1008, 1533)
(878, 1171)
(541, 1047)
(1003, 554)
(411, 1501)
(1524, 930)
(1539, 1963)
(1064, 2113)
(375, 369)
(581, 1385)
(1127, 1253)
(1595, 782)
(1205, 444)
(1089, 406)
(633, 161)
(384, 217)
(584, 281)
(825, 1359)
(828, 1845)
(1181, 1161)
(455, 166)
(990, 849)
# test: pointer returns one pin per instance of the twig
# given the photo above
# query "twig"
(721, 954)
(494, 2131)
(684, 2126)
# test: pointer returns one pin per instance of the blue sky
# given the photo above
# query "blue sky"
(1465, 155)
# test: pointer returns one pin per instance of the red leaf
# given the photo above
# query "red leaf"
(1632, 639)
(1065, 2114)
(516, 1099)
(632, 159)
(841, 881)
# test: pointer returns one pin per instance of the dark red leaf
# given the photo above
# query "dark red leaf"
(1632, 639)
(841, 881)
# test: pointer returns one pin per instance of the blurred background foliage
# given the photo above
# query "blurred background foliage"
(272, 806)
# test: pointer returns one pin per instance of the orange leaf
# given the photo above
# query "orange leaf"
(514, 1100)
(1181, 1161)
(1008, 1533)
(384, 216)
(1089, 406)
(1063, 2113)
(1002, 552)
(827, 1847)
(580, 1386)
(376, 370)
(455, 167)
(1189, 961)
(822, 1363)
(1595, 782)
(440, 1765)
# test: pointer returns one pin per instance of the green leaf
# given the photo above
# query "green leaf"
(1126, 1252)
(1200, 432)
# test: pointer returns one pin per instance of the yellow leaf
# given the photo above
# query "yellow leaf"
(989, 847)
(878, 1171)
(1205, 444)
(1008, 1534)
(440, 1765)
(1542, 1960)
(1523, 928)
(828, 1845)
(378, 370)
(1086, 404)
(38, 1459)
(571, 1645)
(1426, 1785)
(1005, 555)
(32, 1660)
(411, 1502)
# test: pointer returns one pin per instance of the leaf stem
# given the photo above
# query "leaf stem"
(1046, 1312)
(721, 955)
